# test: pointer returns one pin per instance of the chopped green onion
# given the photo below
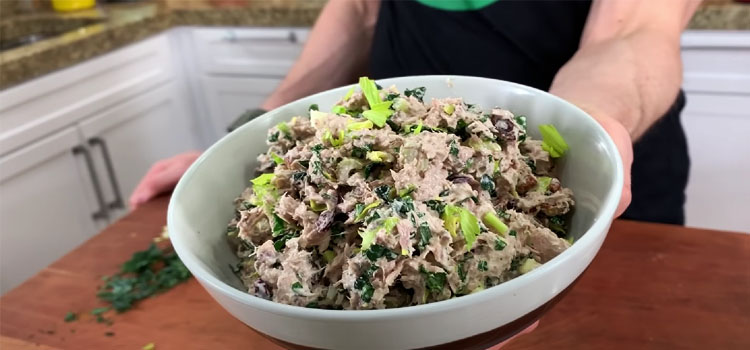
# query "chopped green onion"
(493, 222)
(552, 141)
(379, 156)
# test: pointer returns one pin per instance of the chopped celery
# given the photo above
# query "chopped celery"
(552, 141)
(368, 237)
(542, 183)
(316, 115)
(317, 207)
(276, 159)
(449, 109)
(494, 222)
(528, 265)
(379, 156)
(335, 142)
(346, 165)
(338, 109)
(354, 126)
(418, 129)
(349, 93)
(378, 116)
(469, 227)
(366, 209)
(390, 223)
(328, 255)
(284, 128)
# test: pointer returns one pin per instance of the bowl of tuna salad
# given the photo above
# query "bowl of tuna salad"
(439, 211)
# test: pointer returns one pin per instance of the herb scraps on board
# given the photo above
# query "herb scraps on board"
(148, 272)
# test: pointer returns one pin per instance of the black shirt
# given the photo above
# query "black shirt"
(525, 42)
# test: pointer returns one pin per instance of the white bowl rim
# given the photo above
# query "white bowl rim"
(199, 271)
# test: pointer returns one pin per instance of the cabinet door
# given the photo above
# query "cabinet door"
(264, 52)
(46, 206)
(716, 126)
(127, 139)
(228, 98)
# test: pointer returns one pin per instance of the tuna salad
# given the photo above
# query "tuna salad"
(390, 201)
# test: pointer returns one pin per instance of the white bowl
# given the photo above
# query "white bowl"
(201, 206)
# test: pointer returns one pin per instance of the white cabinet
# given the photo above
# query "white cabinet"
(236, 69)
(128, 138)
(47, 205)
(74, 143)
(227, 98)
(716, 121)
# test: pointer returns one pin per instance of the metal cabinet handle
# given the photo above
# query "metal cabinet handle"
(290, 36)
(117, 203)
(103, 212)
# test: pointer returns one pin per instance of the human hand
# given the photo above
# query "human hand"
(162, 177)
(624, 144)
(529, 329)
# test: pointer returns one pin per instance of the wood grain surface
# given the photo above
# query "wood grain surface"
(650, 287)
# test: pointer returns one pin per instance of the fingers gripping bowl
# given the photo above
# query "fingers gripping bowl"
(202, 204)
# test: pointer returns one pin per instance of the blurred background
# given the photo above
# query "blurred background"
(94, 92)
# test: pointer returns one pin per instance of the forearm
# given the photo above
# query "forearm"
(633, 80)
(628, 67)
(336, 52)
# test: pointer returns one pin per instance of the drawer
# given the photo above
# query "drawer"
(716, 62)
(260, 52)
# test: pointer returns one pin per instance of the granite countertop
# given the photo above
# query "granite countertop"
(112, 26)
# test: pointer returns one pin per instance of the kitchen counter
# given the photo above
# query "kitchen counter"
(122, 24)
(118, 25)
(651, 286)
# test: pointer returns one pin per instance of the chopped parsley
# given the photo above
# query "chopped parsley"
(148, 272)
(70, 316)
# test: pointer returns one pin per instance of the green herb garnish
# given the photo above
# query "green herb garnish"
(500, 244)
(378, 251)
(418, 93)
(482, 265)
(147, 273)
(434, 281)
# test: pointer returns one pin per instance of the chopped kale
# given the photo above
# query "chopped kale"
(384, 192)
(273, 137)
(378, 251)
(500, 244)
(313, 107)
(482, 265)
(434, 281)
(454, 148)
(436, 205)
(488, 184)
(418, 93)
(424, 234)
